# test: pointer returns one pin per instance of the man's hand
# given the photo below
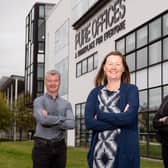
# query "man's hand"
(164, 120)
(44, 112)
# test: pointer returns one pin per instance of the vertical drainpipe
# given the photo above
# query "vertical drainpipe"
(11, 101)
(15, 109)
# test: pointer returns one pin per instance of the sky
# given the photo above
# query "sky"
(12, 35)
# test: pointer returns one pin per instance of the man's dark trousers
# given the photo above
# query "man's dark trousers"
(49, 155)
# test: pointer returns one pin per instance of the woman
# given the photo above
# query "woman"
(112, 114)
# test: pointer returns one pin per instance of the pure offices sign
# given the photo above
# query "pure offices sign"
(109, 22)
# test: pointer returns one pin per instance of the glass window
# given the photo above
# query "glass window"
(155, 29)
(95, 57)
(165, 49)
(130, 42)
(165, 24)
(131, 61)
(84, 66)
(142, 58)
(40, 71)
(165, 91)
(90, 63)
(31, 83)
(132, 76)
(31, 31)
(40, 58)
(165, 75)
(62, 36)
(91, 2)
(78, 69)
(142, 37)
(27, 34)
(143, 101)
(31, 68)
(75, 2)
(41, 30)
(82, 109)
(76, 12)
(77, 110)
(62, 67)
(151, 116)
(79, 9)
(141, 79)
(40, 86)
(143, 123)
(121, 46)
(41, 11)
(155, 76)
(32, 53)
(155, 53)
(41, 47)
(61, 53)
(154, 98)
(32, 14)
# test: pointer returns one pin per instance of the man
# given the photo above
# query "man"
(53, 117)
(160, 122)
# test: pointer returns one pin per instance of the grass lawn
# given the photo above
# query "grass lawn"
(18, 155)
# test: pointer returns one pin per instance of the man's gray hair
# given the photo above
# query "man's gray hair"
(53, 72)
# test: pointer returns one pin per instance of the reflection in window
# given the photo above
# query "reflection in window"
(155, 53)
(154, 98)
(155, 29)
(132, 76)
(143, 101)
(82, 109)
(32, 53)
(82, 137)
(142, 58)
(40, 71)
(165, 24)
(78, 69)
(130, 42)
(143, 121)
(165, 91)
(165, 49)
(79, 8)
(62, 53)
(77, 110)
(62, 67)
(155, 75)
(62, 36)
(90, 64)
(121, 46)
(87, 65)
(95, 60)
(40, 58)
(141, 79)
(131, 61)
(142, 37)
(165, 75)
(41, 11)
(151, 116)
(41, 47)
(91, 2)
(32, 14)
(40, 86)
(41, 30)
(84, 66)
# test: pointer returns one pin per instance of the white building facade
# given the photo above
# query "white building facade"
(79, 33)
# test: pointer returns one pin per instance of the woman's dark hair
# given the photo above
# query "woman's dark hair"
(101, 78)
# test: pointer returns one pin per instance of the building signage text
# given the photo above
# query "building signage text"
(109, 22)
